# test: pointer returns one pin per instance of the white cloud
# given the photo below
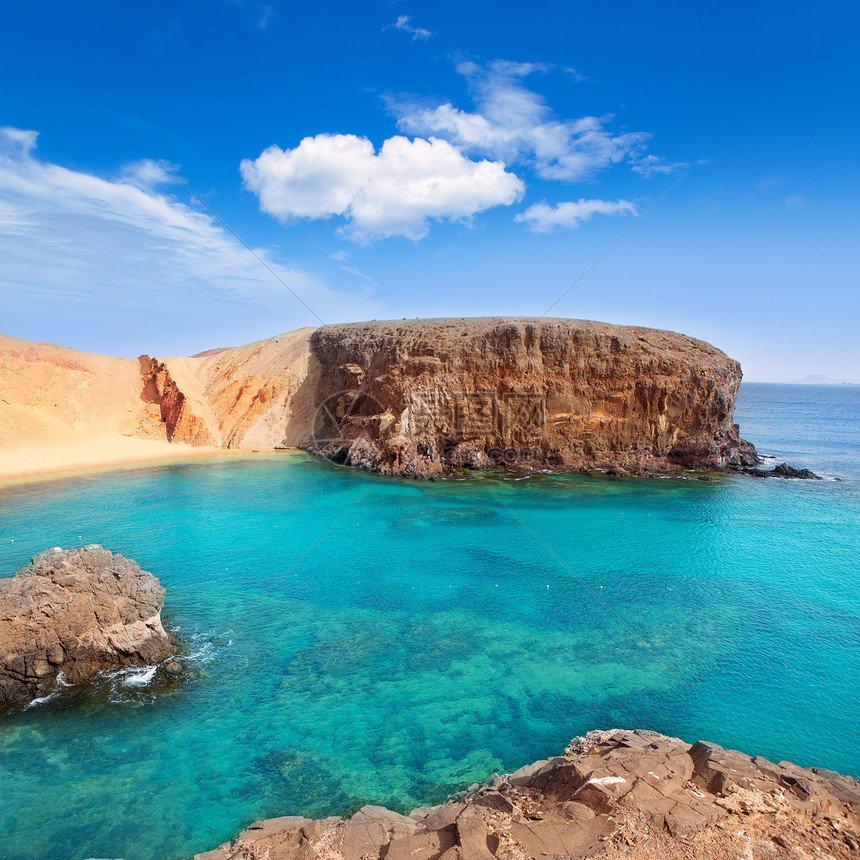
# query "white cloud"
(543, 218)
(404, 24)
(342, 259)
(648, 165)
(514, 124)
(148, 173)
(107, 254)
(394, 192)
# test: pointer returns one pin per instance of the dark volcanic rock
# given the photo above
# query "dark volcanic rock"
(611, 794)
(417, 398)
(75, 613)
(783, 470)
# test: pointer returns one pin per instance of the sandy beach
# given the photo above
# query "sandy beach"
(103, 452)
(63, 411)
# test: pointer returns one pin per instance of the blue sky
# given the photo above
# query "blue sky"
(406, 159)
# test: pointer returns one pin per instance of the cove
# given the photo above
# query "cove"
(357, 639)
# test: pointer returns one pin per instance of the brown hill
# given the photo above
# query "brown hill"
(413, 398)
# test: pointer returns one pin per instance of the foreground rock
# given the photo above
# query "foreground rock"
(612, 794)
(418, 397)
(73, 613)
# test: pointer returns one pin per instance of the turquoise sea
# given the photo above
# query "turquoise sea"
(354, 639)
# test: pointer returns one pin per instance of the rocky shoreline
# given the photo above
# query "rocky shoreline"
(611, 794)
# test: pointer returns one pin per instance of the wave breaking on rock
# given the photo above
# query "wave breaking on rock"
(71, 614)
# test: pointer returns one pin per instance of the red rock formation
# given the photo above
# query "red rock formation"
(415, 398)
(181, 422)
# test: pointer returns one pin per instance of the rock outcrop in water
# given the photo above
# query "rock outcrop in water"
(615, 794)
(783, 470)
(73, 613)
(416, 398)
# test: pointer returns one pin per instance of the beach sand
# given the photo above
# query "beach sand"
(62, 410)
(111, 451)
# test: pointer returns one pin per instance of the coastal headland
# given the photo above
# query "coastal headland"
(415, 398)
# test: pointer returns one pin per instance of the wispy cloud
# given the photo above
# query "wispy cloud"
(148, 173)
(395, 192)
(258, 14)
(265, 16)
(766, 183)
(342, 259)
(543, 218)
(405, 25)
(650, 165)
(78, 241)
(515, 124)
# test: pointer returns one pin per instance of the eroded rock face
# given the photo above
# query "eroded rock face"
(416, 398)
(181, 420)
(611, 794)
(410, 398)
(74, 613)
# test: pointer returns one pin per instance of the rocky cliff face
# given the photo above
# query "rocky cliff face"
(410, 398)
(258, 395)
(181, 416)
(72, 614)
(611, 794)
(415, 398)
(253, 396)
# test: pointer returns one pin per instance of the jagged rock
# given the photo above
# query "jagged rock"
(73, 613)
(612, 794)
(417, 398)
(783, 470)
(182, 423)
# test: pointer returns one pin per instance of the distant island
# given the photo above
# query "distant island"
(818, 379)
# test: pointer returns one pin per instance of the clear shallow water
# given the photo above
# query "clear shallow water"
(359, 639)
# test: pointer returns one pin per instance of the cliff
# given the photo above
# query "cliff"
(71, 614)
(610, 794)
(252, 396)
(416, 398)
(412, 398)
